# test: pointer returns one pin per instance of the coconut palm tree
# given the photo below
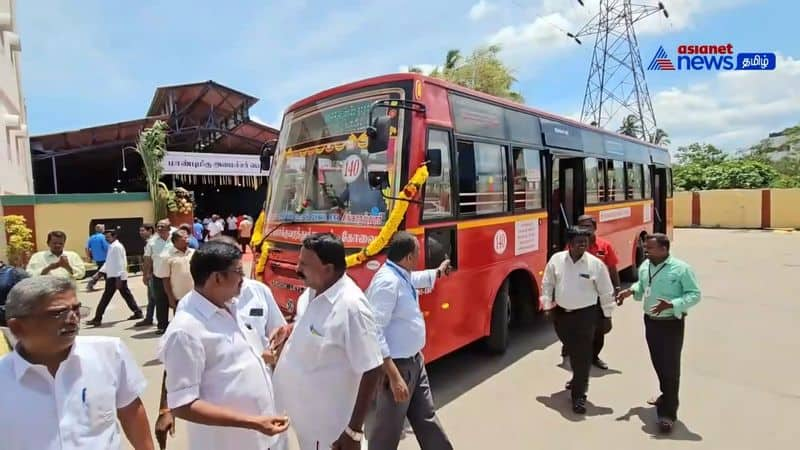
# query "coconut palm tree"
(660, 137)
(631, 126)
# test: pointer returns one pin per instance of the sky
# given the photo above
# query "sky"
(91, 62)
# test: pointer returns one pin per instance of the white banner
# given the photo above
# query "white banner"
(224, 164)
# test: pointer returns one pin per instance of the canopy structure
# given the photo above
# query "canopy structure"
(204, 117)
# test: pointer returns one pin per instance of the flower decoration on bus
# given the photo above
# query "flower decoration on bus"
(395, 217)
(351, 142)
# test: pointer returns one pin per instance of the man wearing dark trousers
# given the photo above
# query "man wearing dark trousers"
(604, 251)
(667, 287)
(573, 281)
(405, 391)
(160, 247)
(116, 271)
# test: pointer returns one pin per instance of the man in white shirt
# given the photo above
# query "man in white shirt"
(214, 227)
(215, 378)
(62, 392)
(331, 364)
(116, 270)
(158, 254)
(578, 280)
(406, 392)
(233, 226)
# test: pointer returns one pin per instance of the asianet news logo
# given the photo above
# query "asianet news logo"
(712, 57)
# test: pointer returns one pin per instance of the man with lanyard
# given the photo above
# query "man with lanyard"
(406, 391)
(603, 250)
(668, 288)
(574, 280)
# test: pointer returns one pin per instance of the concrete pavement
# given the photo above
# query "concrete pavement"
(740, 388)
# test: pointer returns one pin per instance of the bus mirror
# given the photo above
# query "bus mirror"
(434, 162)
(378, 134)
(379, 180)
(267, 151)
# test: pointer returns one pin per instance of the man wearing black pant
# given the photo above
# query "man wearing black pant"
(667, 287)
(116, 271)
(160, 247)
(574, 280)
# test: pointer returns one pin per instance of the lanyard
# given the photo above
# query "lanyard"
(402, 275)
(652, 275)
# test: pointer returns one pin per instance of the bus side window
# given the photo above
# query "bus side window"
(595, 180)
(527, 179)
(648, 187)
(482, 178)
(635, 184)
(438, 194)
(615, 171)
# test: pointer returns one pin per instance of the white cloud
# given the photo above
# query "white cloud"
(734, 110)
(481, 10)
(551, 20)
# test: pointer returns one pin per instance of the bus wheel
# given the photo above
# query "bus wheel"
(631, 273)
(497, 341)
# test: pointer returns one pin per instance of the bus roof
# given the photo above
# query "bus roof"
(405, 76)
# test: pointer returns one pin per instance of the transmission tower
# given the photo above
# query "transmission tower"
(616, 80)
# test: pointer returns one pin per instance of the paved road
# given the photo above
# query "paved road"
(740, 386)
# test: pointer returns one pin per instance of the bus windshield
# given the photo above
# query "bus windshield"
(320, 171)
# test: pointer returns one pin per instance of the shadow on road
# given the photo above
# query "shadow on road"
(457, 373)
(561, 402)
(596, 372)
(146, 335)
(648, 417)
(106, 324)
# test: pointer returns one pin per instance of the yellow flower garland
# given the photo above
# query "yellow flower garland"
(381, 240)
(396, 216)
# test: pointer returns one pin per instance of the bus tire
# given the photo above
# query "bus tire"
(631, 274)
(497, 341)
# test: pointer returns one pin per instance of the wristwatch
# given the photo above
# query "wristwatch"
(357, 436)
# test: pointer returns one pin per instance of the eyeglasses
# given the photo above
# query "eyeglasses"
(63, 314)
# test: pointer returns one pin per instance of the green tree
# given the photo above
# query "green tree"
(631, 126)
(660, 137)
(702, 154)
(482, 70)
(739, 174)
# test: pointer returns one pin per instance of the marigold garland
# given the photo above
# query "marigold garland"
(393, 223)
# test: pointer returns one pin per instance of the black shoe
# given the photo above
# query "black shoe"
(568, 386)
(665, 425)
(94, 322)
(160, 331)
(144, 323)
(136, 316)
(600, 363)
(579, 405)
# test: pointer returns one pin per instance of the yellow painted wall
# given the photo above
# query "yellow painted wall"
(731, 208)
(682, 209)
(73, 219)
(785, 208)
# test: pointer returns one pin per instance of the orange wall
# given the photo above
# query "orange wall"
(739, 208)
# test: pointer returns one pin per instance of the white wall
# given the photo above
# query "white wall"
(16, 175)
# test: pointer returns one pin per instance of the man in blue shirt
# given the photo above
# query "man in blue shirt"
(198, 229)
(96, 250)
(406, 392)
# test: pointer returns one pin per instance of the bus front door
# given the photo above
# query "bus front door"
(566, 199)
(659, 199)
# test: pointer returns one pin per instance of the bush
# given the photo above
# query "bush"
(20, 239)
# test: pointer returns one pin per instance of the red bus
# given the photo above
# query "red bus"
(504, 182)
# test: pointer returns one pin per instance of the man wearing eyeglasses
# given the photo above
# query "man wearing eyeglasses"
(63, 392)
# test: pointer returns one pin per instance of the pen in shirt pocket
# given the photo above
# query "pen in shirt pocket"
(83, 396)
(314, 331)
